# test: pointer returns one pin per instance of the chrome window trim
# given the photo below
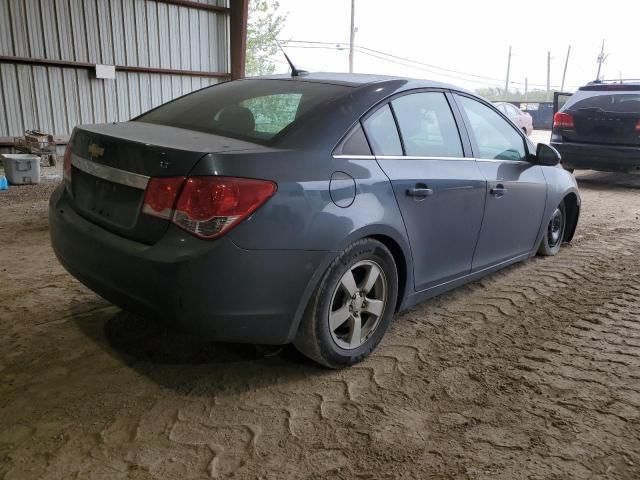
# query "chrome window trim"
(507, 161)
(111, 174)
(413, 157)
(356, 157)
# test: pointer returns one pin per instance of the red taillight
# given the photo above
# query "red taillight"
(209, 206)
(563, 120)
(66, 163)
(637, 129)
(206, 206)
(161, 195)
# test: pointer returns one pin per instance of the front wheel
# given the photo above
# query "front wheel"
(352, 308)
(554, 233)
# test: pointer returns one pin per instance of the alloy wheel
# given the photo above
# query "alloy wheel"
(555, 230)
(358, 304)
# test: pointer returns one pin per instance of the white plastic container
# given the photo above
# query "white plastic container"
(21, 168)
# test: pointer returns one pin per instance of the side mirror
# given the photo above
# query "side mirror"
(547, 155)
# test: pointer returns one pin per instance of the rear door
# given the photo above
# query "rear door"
(516, 189)
(440, 192)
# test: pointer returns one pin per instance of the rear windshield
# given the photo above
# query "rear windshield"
(255, 110)
(622, 102)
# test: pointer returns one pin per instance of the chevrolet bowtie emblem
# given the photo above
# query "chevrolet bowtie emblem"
(95, 150)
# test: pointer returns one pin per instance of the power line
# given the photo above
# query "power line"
(339, 46)
(381, 55)
(447, 75)
(403, 63)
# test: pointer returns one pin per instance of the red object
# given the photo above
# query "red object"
(66, 163)
(207, 207)
(637, 129)
(161, 195)
(563, 120)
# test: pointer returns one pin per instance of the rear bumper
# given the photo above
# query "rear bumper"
(211, 288)
(609, 158)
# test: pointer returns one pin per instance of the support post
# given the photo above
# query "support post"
(506, 83)
(238, 36)
(564, 72)
(352, 34)
(548, 74)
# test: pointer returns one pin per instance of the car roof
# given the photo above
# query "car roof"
(358, 79)
(612, 85)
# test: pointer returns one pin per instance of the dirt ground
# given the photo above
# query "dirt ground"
(531, 373)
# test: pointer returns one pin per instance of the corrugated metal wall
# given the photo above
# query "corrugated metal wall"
(122, 32)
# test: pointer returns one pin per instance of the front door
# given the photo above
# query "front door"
(516, 189)
(440, 193)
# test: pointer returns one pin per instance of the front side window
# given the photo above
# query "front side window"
(496, 139)
(382, 132)
(427, 125)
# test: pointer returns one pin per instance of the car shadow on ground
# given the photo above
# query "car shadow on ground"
(606, 180)
(187, 363)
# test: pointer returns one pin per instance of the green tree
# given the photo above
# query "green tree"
(264, 26)
(495, 94)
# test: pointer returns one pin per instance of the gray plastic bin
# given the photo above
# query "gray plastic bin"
(21, 168)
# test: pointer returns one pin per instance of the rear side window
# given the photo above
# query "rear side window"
(427, 125)
(382, 132)
(495, 137)
(628, 102)
(254, 110)
(354, 144)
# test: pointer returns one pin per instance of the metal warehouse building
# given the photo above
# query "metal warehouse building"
(161, 49)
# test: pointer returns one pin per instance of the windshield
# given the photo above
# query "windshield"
(255, 110)
(605, 101)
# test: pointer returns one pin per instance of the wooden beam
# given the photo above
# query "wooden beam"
(199, 6)
(122, 68)
(238, 37)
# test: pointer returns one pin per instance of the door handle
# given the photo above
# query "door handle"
(498, 190)
(419, 192)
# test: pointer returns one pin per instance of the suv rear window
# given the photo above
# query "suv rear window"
(254, 110)
(619, 102)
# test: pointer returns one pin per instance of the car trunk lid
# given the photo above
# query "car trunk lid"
(112, 164)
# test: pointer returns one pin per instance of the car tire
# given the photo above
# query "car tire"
(361, 277)
(554, 232)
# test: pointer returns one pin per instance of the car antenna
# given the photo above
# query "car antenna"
(294, 71)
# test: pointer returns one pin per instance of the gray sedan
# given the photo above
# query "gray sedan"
(306, 209)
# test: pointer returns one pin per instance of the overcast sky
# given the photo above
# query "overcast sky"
(471, 37)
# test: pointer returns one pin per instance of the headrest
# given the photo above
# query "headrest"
(236, 119)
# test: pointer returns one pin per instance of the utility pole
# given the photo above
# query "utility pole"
(526, 89)
(601, 58)
(548, 74)
(506, 83)
(352, 36)
(564, 72)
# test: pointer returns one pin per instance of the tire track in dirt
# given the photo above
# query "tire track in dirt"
(529, 373)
